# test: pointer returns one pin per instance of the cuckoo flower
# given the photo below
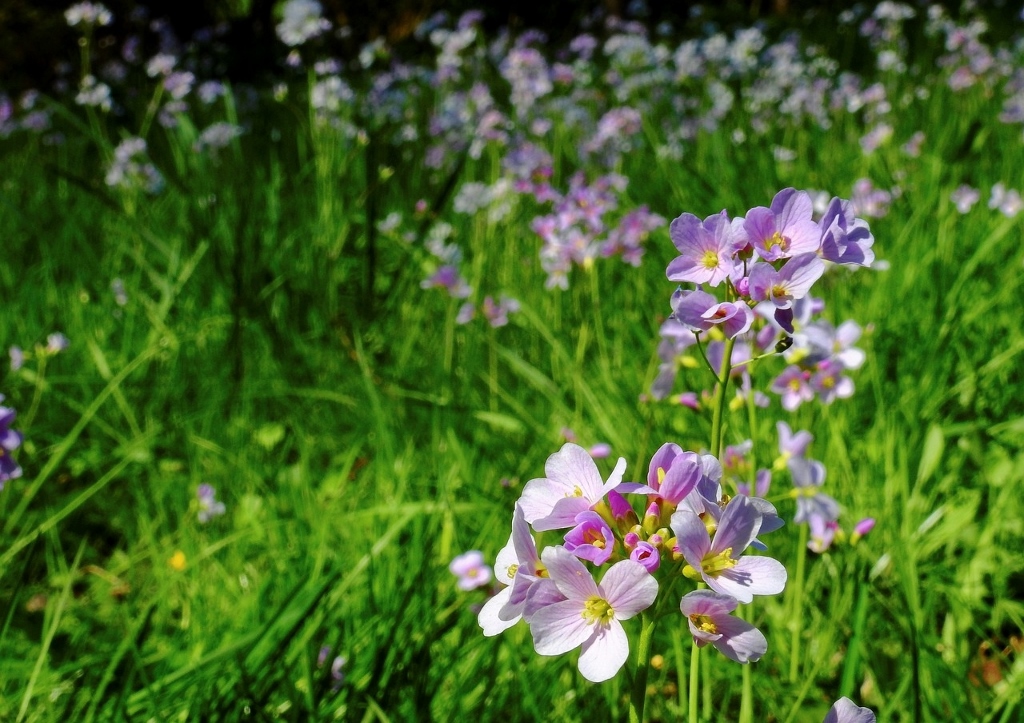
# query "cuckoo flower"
(591, 613)
(845, 239)
(671, 476)
(830, 384)
(784, 230)
(720, 562)
(808, 477)
(471, 570)
(705, 247)
(845, 710)
(591, 539)
(573, 485)
(9, 441)
(790, 444)
(708, 615)
(784, 286)
(701, 311)
(519, 567)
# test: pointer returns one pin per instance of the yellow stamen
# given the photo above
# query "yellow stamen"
(704, 623)
(511, 571)
(709, 260)
(597, 610)
(777, 239)
(716, 564)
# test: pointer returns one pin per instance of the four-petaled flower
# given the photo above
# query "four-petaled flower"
(590, 614)
(573, 485)
(710, 621)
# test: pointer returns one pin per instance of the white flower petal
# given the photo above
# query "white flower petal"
(490, 618)
(559, 628)
(604, 654)
(628, 588)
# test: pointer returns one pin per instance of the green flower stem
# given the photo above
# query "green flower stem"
(694, 694)
(747, 691)
(798, 604)
(639, 696)
(720, 397)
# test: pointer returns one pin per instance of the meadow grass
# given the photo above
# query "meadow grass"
(277, 346)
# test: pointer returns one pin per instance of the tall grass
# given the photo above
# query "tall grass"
(277, 346)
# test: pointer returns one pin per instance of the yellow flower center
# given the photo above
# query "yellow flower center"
(576, 492)
(777, 239)
(511, 571)
(595, 538)
(777, 290)
(709, 260)
(597, 610)
(704, 623)
(828, 382)
(714, 565)
(794, 384)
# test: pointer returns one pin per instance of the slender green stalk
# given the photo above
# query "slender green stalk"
(798, 604)
(720, 397)
(694, 694)
(639, 695)
(747, 691)
(37, 392)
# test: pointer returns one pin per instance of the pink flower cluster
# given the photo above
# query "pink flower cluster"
(689, 529)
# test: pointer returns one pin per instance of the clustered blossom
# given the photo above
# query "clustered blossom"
(301, 20)
(88, 14)
(815, 508)
(10, 440)
(767, 262)
(690, 528)
(131, 168)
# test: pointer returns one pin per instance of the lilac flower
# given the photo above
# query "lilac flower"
(466, 313)
(866, 200)
(830, 384)
(701, 311)
(822, 533)
(519, 567)
(793, 385)
(1009, 202)
(705, 247)
(120, 295)
(496, 312)
(708, 615)
(302, 20)
(600, 450)
(827, 342)
(448, 277)
(785, 229)
(762, 483)
(845, 239)
(845, 710)
(808, 477)
(592, 539)
(964, 198)
(791, 445)
(671, 475)
(88, 14)
(56, 343)
(216, 136)
(573, 485)
(784, 286)
(17, 357)
(471, 570)
(647, 555)
(337, 674)
(719, 562)
(675, 340)
(209, 507)
(590, 614)
(9, 441)
(862, 528)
